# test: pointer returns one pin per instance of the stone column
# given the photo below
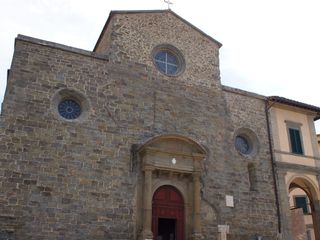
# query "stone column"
(316, 211)
(316, 218)
(147, 204)
(196, 207)
(285, 213)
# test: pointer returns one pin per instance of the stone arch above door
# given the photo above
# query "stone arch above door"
(188, 142)
(161, 150)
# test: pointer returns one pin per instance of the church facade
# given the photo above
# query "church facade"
(137, 139)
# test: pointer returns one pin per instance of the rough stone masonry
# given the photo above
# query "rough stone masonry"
(78, 179)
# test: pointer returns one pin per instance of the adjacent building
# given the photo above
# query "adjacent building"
(297, 161)
(138, 139)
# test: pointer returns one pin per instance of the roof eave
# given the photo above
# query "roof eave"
(293, 103)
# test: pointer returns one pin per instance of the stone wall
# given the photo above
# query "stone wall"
(255, 208)
(67, 179)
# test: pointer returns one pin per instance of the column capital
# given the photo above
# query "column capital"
(196, 175)
(223, 228)
(148, 168)
(146, 235)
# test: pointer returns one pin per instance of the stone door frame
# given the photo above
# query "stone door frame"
(155, 156)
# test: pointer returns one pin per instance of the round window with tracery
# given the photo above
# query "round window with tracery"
(242, 145)
(168, 60)
(246, 142)
(70, 105)
(69, 109)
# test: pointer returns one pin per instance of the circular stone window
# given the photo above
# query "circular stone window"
(246, 142)
(168, 60)
(69, 104)
(242, 145)
(69, 109)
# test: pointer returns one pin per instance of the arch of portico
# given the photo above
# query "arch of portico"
(311, 188)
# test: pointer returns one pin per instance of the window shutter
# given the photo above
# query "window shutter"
(296, 144)
(292, 139)
(298, 140)
(301, 202)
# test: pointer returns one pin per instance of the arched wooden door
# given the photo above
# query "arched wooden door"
(167, 214)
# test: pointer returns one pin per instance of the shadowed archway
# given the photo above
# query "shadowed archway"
(168, 214)
(304, 195)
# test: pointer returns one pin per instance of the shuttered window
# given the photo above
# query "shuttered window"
(295, 140)
(301, 202)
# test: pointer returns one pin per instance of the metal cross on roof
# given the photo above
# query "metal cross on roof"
(168, 2)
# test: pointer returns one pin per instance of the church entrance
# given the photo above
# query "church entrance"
(167, 228)
(167, 214)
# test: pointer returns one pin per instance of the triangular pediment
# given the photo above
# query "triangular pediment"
(136, 37)
(149, 12)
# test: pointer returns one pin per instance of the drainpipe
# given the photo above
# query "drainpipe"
(267, 107)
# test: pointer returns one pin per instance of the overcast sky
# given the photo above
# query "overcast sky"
(270, 47)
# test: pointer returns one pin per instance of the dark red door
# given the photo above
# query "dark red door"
(167, 214)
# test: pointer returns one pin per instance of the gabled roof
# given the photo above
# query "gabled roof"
(294, 103)
(112, 13)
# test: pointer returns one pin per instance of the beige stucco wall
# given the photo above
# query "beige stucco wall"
(280, 117)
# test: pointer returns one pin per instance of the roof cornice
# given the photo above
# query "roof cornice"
(297, 104)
